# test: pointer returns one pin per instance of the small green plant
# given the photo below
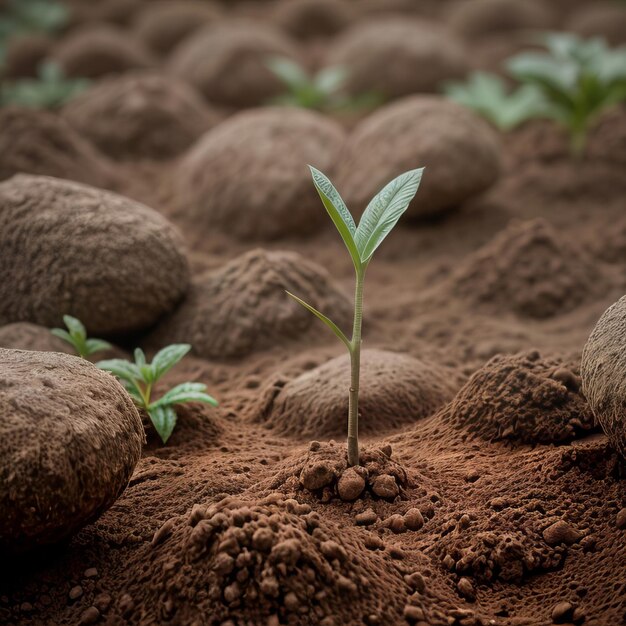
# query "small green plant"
(487, 94)
(49, 91)
(379, 218)
(323, 92)
(578, 79)
(76, 336)
(140, 377)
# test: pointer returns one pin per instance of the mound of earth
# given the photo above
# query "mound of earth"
(248, 177)
(27, 336)
(113, 263)
(226, 62)
(70, 438)
(460, 151)
(163, 25)
(312, 19)
(39, 142)
(269, 561)
(396, 390)
(524, 399)
(481, 18)
(242, 307)
(396, 57)
(528, 269)
(600, 19)
(95, 51)
(603, 367)
(140, 116)
(23, 55)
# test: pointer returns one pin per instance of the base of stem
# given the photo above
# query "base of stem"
(353, 451)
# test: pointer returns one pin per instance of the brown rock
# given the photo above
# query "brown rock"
(620, 520)
(366, 518)
(413, 519)
(63, 421)
(562, 612)
(317, 475)
(350, 485)
(89, 616)
(385, 486)
(466, 589)
(561, 532)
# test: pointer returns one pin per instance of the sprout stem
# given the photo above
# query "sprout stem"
(355, 366)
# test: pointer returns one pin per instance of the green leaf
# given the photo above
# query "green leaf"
(324, 319)
(166, 358)
(140, 357)
(331, 79)
(121, 368)
(338, 211)
(186, 392)
(288, 71)
(97, 345)
(75, 326)
(63, 334)
(147, 373)
(384, 211)
(164, 419)
(131, 389)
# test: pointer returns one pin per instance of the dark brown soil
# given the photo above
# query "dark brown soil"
(487, 492)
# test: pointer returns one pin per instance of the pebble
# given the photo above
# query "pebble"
(317, 476)
(263, 539)
(386, 450)
(367, 518)
(396, 552)
(332, 550)
(466, 589)
(413, 519)
(75, 592)
(413, 613)
(89, 616)
(102, 601)
(561, 532)
(395, 523)
(350, 485)
(90, 572)
(416, 581)
(621, 519)
(385, 486)
(163, 532)
(562, 612)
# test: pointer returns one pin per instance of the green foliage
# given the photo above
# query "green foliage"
(50, 90)
(487, 94)
(377, 221)
(579, 79)
(20, 17)
(140, 377)
(76, 336)
(323, 92)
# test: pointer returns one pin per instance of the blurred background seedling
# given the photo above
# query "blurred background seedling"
(76, 336)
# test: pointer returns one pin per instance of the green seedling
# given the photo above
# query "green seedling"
(76, 336)
(579, 79)
(323, 91)
(488, 95)
(140, 377)
(379, 218)
(50, 90)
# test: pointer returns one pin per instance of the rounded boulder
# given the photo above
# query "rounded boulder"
(602, 371)
(140, 116)
(460, 151)
(248, 177)
(68, 248)
(70, 438)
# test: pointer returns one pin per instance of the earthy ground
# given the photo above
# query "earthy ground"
(504, 502)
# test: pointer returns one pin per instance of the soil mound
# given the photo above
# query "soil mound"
(495, 17)
(70, 438)
(249, 178)
(524, 399)
(242, 307)
(27, 336)
(603, 367)
(226, 62)
(96, 51)
(268, 562)
(163, 25)
(460, 151)
(396, 57)
(140, 116)
(528, 269)
(312, 19)
(602, 19)
(396, 389)
(115, 264)
(23, 54)
(39, 142)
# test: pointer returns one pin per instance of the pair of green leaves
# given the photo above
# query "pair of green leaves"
(50, 90)
(76, 336)
(377, 221)
(488, 95)
(139, 378)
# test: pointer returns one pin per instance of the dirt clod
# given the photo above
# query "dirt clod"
(561, 532)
